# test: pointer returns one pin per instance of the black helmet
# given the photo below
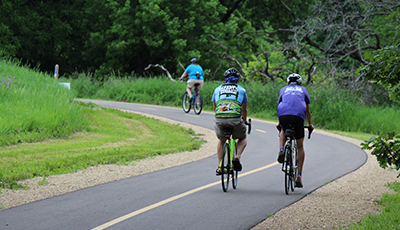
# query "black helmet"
(294, 78)
(194, 60)
(231, 74)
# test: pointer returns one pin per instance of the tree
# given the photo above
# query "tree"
(384, 69)
(335, 36)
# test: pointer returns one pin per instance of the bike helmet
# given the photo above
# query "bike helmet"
(231, 75)
(294, 78)
(194, 60)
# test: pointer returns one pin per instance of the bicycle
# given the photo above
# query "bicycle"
(289, 166)
(228, 154)
(197, 103)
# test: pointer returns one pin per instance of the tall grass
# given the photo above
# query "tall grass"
(331, 108)
(34, 107)
(127, 138)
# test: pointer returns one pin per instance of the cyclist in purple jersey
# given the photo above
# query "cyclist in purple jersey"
(294, 108)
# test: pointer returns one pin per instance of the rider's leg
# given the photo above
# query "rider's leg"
(220, 147)
(300, 155)
(282, 139)
(241, 145)
(189, 91)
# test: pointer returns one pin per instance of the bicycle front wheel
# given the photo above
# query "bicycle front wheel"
(186, 102)
(198, 104)
(225, 167)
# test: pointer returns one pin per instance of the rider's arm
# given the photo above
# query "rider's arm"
(244, 111)
(308, 116)
(183, 76)
(214, 106)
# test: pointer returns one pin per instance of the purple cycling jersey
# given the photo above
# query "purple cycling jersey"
(293, 100)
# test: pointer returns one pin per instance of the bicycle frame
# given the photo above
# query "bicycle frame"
(197, 103)
(289, 166)
(231, 144)
(195, 93)
(228, 153)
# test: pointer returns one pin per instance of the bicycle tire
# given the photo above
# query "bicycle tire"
(294, 163)
(186, 105)
(287, 170)
(198, 104)
(225, 167)
(234, 172)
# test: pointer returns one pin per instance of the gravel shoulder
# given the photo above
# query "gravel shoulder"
(339, 203)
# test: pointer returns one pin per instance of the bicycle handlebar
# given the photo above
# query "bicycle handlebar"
(309, 127)
(310, 130)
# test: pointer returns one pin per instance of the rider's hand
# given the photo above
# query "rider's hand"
(278, 127)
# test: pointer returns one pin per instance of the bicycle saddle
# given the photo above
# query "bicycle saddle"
(289, 131)
(228, 131)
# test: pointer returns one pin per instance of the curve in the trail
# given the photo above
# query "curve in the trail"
(189, 196)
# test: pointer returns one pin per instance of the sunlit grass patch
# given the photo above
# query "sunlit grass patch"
(113, 137)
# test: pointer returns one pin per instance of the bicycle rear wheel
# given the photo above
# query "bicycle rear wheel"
(294, 164)
(198, 104)
(287, 169)
(186, 105)
(225, 167)
(234, 172)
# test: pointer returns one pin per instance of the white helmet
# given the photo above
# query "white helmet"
(294, 78)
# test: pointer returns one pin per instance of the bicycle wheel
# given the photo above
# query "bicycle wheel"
(225, 167)
(294, 163)
(287, 169)
(234, 172)
(186, 105)
(198, 104)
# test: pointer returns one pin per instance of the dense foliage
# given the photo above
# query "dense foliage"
(124, 36)
(384, 69)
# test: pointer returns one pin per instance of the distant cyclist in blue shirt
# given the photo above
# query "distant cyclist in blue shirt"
(230, 106)
(294, 108)
(195, 73)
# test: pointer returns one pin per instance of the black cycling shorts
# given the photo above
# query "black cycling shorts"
(297, 123)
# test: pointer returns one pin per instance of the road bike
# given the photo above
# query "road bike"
(197, 102)
(228, 154)
(289, 165)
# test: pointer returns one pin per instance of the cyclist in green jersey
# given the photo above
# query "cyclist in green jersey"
(230, 106)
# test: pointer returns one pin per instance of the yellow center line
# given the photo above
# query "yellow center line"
(158, 204)
(259, 130)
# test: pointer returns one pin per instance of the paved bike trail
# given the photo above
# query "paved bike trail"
(190, 196)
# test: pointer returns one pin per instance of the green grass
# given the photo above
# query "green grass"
(113, 137)
(34, 107)
(389, 218)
